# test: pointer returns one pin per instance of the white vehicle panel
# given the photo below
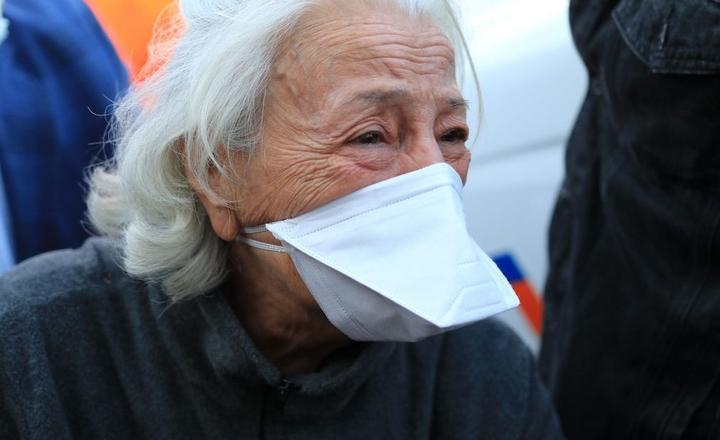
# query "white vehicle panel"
(532, 83)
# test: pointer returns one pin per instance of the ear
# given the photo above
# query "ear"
(223, 218)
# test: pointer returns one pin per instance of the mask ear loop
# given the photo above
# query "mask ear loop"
(255, 229)
(259, 244)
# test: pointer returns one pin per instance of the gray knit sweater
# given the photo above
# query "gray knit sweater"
(86, 352)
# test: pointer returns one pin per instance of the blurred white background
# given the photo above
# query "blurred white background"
(532, 83)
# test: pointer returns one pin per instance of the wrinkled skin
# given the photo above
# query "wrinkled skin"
(361, 93)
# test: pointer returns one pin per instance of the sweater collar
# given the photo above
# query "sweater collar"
(231, 361)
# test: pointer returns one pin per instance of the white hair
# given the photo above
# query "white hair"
(203, 94)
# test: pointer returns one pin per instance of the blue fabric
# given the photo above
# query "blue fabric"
(58, 71)
(507, 266)
(7, 258)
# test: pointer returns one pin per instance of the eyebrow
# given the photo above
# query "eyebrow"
(385, 95)
(458, 103)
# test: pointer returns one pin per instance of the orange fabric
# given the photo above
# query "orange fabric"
(129, 25)
(530, 304)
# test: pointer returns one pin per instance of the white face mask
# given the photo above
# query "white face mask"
(393, 261)
(3, 25)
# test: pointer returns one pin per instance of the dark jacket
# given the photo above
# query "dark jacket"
(58, 77)
(631, 346)
(88, 353)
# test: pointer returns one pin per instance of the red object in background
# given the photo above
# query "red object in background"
(530, 302)
(129, 24)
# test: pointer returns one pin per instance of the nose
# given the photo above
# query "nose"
(422, 152)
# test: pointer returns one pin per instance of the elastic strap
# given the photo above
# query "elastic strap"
(260, 245)
(255, 229)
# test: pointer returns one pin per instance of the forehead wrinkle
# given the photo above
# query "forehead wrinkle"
(399, 49)
(365, 44)
(414, 37)
(327, 32)
(418, 65)
(375, 54)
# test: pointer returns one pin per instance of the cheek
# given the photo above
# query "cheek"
(460, 162)
(368, 159)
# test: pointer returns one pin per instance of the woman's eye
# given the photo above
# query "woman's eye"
(369, 138)
(456, 135)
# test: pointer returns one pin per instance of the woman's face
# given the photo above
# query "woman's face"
(357, 96)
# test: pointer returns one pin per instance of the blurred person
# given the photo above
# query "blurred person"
(6, 247)
(58, 75)
(7, 259)
(285, 251)
(631, 344)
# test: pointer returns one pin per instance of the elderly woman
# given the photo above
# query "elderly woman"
(285, 252)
